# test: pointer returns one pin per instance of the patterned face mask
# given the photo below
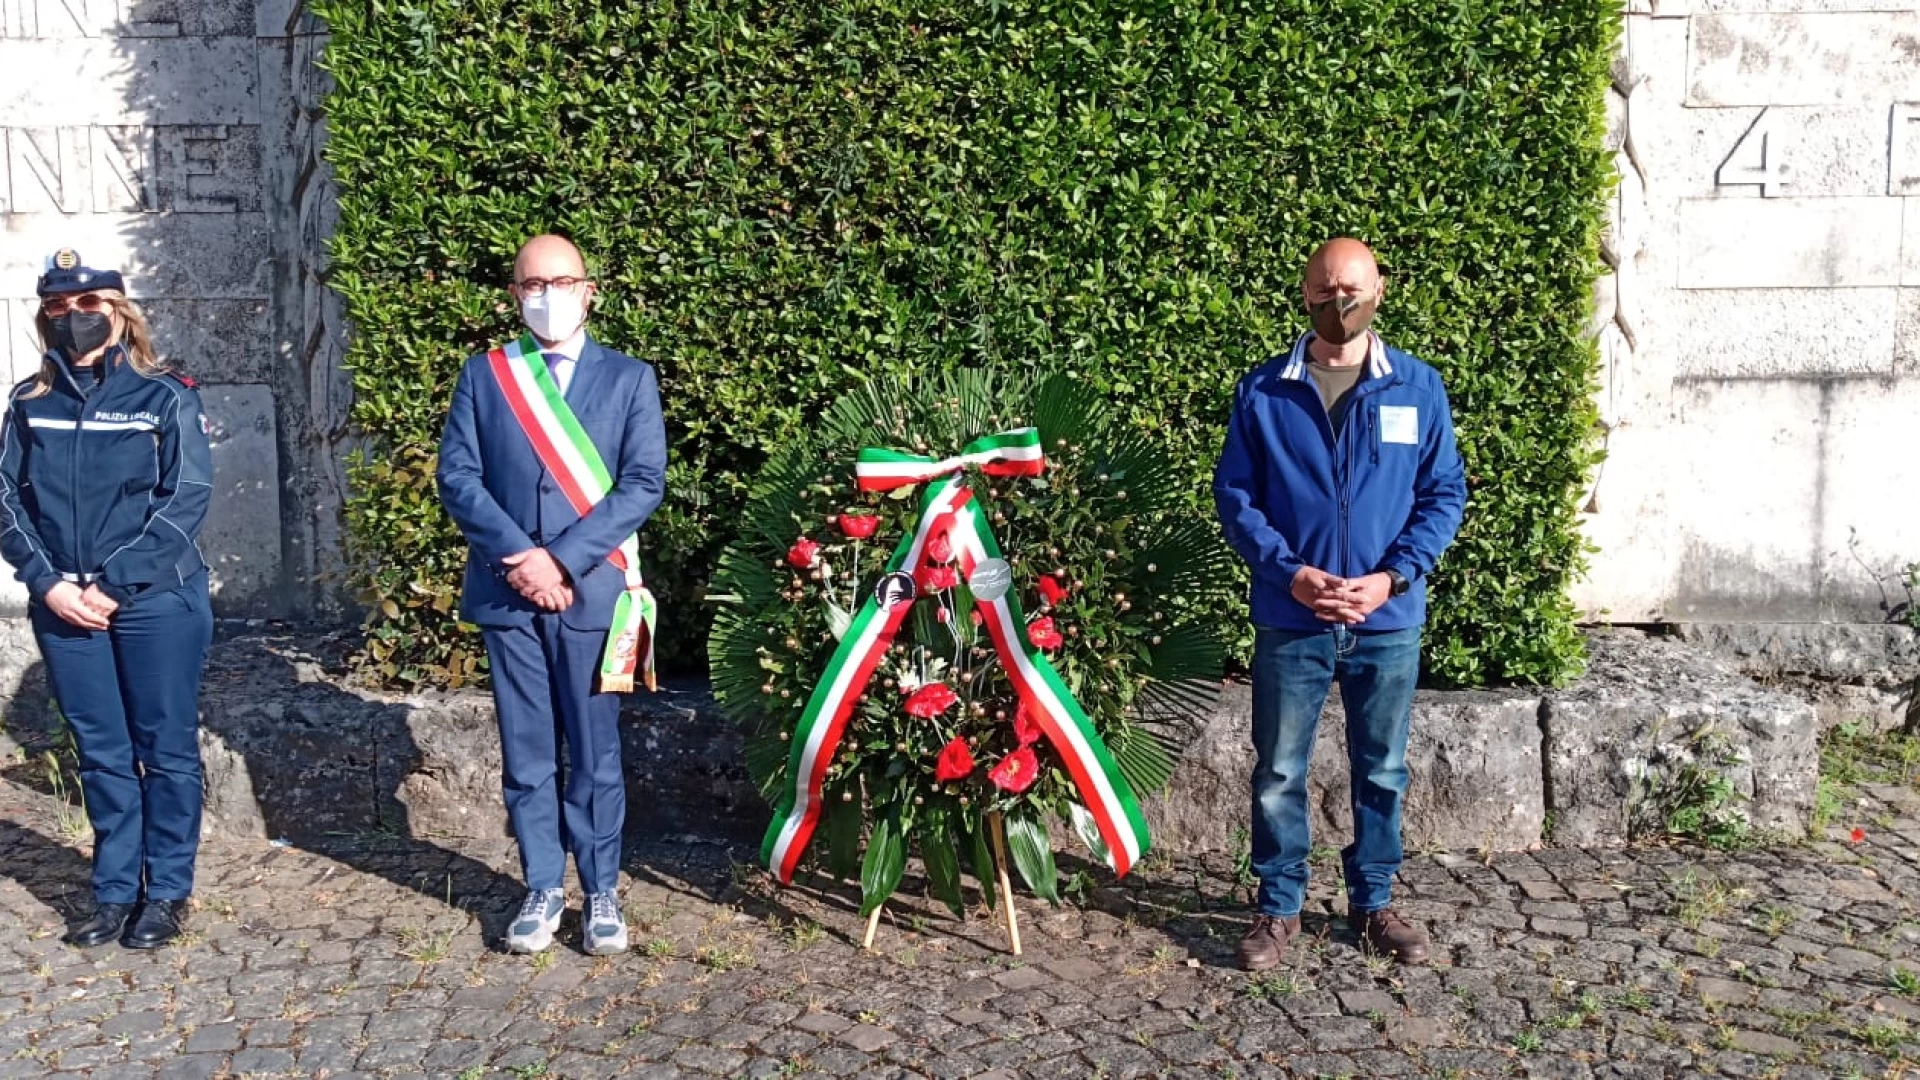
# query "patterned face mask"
(1342, 318)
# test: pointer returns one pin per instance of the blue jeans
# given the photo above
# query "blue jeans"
(131, 695)
(1292, 673)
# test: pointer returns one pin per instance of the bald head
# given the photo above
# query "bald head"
(551, 284)
(1342, 291)
(1343, 264)
(548, 256)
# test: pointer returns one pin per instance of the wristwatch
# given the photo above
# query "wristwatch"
(1397, 583)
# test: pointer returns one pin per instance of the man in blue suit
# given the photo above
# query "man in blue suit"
(544, 580)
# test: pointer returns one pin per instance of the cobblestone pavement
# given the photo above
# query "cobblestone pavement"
(377, 957)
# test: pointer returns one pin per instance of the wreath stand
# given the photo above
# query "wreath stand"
(1002, 884)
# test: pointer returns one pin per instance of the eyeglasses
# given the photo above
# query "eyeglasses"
(92, 303)
(534, 286)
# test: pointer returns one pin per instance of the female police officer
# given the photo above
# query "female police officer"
(104, 480)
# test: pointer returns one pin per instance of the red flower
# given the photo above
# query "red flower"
(955, 763)
(939, 578)
(1041, 632)
(803, 554)
(1016, 772)
(1857, 835)
(1051, 590)
(940, 548)
(1025, 728)
(858, 527)
(930, 701)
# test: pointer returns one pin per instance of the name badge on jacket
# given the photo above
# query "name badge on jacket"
(1400, 424)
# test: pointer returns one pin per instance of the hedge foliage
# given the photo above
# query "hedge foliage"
(783, 200)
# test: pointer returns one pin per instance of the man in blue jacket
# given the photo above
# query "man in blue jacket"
(1340, 485)
(554, 455)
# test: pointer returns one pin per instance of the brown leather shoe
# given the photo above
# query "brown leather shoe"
(1266, 943)
(1387, 933)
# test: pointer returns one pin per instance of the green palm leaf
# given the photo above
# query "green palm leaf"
(885, 863)
(1143, 757)
(1032, 852)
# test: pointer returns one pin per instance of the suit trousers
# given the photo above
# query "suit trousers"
(131, 695)
(543, 680)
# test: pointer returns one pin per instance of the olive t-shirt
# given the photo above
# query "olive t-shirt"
(1336, 388)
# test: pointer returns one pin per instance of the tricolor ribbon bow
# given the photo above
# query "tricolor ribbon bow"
(947, 508)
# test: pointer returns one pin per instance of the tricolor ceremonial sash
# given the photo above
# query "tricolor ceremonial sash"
(947, 506)
(563, 447)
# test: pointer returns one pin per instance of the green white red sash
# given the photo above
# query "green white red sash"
(1106, 793)
(946, 506)
(564, 448)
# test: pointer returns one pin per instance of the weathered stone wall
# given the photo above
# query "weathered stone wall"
(1864, 675)
(1760, 334)
(292, 752)
(178, 140)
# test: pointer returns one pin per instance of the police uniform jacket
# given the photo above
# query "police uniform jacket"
(108, 487)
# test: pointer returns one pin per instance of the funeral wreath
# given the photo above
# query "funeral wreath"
(959, 601)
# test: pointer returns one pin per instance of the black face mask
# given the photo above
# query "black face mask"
(79, 333)
(1343, 318)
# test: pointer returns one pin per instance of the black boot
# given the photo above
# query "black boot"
(102, 926)
(159, 922)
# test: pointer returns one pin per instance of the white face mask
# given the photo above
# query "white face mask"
(556, 313)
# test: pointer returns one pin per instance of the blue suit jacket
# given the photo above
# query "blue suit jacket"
(505, 501)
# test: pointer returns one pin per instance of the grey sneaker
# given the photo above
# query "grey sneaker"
(532, 929)
(606, 932)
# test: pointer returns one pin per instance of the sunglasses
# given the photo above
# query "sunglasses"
(92, 303)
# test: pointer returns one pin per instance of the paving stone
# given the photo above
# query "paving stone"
(822, 1023)
(1023, 978)
(134, 1023)
(1078, 969)
(1105, 988)
(1417, 1031)
(454, 1055)
(866, 1037)
(1559, 927)
(214, 1037)
(1724, 991)
(389, 1056)
(262, 1060)
(128, 1071)
(578, 1066)
(1760, 1042)
(712, 1060)
(82, 1059)
(192, 1067)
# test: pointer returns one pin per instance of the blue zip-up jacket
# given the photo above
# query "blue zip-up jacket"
(107, 488)
(1387, 492)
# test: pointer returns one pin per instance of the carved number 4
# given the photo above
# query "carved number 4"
(1756, 160)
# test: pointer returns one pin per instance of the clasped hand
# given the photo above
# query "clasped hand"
(1347, 601)
(535, 575)
(88, 609)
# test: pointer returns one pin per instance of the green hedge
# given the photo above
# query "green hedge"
(781, 200)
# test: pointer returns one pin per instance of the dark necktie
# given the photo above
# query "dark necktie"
(562, 368)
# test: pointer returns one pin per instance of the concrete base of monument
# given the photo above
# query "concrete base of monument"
(292, 752)
(1606, 759)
